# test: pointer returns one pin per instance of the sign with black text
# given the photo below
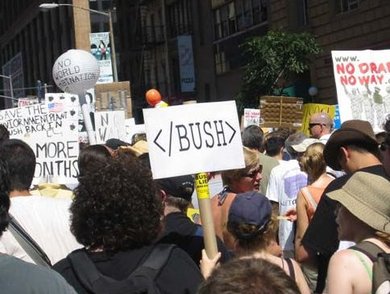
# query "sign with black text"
(193, 138)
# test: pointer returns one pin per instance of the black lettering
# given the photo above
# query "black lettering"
(208, 145)
(199, 146)
(220, 132)
(183, 137)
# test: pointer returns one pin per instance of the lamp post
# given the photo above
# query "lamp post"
(47, 6)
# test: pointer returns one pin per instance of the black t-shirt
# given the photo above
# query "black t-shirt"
(179, 275)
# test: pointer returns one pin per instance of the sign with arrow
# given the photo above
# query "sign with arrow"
(193, 138)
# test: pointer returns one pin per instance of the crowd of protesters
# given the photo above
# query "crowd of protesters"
(284, 223)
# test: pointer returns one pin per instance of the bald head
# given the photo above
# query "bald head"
(320, 124)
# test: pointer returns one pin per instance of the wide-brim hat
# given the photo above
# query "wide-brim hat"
(351, 132)
(366, 196)
(301, 147)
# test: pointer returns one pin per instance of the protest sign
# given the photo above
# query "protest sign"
(251, 117)
(101, 49)
(133, 129)
(51, 131)
(193, 138)
(110, 124)
(362, 82)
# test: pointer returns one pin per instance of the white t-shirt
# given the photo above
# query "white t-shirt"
(284, 184)
(47, 220)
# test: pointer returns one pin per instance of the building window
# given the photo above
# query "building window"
(221, 64)
(347, 5)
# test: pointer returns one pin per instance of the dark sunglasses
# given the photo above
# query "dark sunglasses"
(314, 124)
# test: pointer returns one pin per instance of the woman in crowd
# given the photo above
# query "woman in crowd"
(363, 216)
(235, 181)
(313, 163)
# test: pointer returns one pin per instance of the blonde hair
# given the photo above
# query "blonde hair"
(312, 161)
(252, 161)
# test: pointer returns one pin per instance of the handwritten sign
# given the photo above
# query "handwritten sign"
(251, 117)
(51, 131)
(363, 85)
(193, 138)
(110, 124)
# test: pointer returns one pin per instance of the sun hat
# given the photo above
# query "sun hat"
(301, 147)
(366, 196)
(351, 132)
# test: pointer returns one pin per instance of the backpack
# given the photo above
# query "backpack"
(380, 268)
(140, 281)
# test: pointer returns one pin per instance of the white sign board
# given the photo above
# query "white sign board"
(51, 131)
(110, 124)
(132, 129)
(251, 117)
(193, 138)
(363, 85)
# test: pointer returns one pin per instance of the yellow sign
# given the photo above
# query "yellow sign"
(311, 108)
(202, 186)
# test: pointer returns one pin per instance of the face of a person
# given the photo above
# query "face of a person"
(315, 129)
(345, 221)
(249, 181)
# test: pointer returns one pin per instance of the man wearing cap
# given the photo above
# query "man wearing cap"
(320, 126)
(351, 148)
(176, 194)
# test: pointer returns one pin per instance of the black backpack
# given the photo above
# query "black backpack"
(140, 281)
(380, 268)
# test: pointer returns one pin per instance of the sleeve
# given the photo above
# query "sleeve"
(272, 188)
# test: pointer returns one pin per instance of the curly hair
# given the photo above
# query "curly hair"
(252, 161)
(313, 162)
(92, 158)
(4, 196)
(250, 276)
(116, 207)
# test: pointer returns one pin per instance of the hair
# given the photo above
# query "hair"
(313, 162)
(4, 196)
(294, 139)
(273, 144)
(116, 208)
(364, 147)
(92, 158)
(250, 238)
(252, 137)
(177, 202)
(252, 161)
(4, 133)
(20, 159)
(249, 276)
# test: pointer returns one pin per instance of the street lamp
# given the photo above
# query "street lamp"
(47, 6)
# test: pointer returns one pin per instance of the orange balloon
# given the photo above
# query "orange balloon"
(153, 97)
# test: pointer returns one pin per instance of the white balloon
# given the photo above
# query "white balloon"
(76, 71)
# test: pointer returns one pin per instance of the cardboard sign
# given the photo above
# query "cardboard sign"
(51, 131)
(362, 82)
(251, 117)
(193, 138)
(110, 124)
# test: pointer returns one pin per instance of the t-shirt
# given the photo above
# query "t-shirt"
(268, 164)
(179, 275)
(18, 276)
(285, 182)
(47, 220)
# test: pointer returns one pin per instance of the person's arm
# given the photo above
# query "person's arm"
(339, 273)
(300, 279)
(301, 254)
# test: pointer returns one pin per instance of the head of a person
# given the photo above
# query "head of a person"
(363, 207)
(250, 276)
(294, 139)
(252, 137)
(353, 137)
(177, 191)
(247, 178)
(114, 143)
(4, 133)
(116, 208)
(92, 158)
(250, 222)
(274, 144)
(312, 161)
(320, 124)
(385, 146)
(20, 159)
(4, 197)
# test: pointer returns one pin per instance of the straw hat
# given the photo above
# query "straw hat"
(367, 196)
(351, 131)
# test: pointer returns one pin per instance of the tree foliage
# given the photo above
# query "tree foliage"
(275, 56)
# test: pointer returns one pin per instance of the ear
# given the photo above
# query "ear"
(344, 156)
(163, 195)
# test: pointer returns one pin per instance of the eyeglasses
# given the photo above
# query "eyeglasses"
(314, 124)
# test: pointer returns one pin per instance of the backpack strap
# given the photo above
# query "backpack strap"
(290, 268)
(309, 198)
(28, 244)
(94, 281)
(368, 248)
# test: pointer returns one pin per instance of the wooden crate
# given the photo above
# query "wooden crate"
(281, 111)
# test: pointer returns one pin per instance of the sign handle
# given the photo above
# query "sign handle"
(87, 119)
(202, 190)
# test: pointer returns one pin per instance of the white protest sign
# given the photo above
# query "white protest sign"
(110, 124)
(363, 85)
(51, 131)
(193, 138)
(251, 117)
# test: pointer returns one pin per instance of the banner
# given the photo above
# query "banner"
(51, 131)
(362, 82)
(101, 49)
